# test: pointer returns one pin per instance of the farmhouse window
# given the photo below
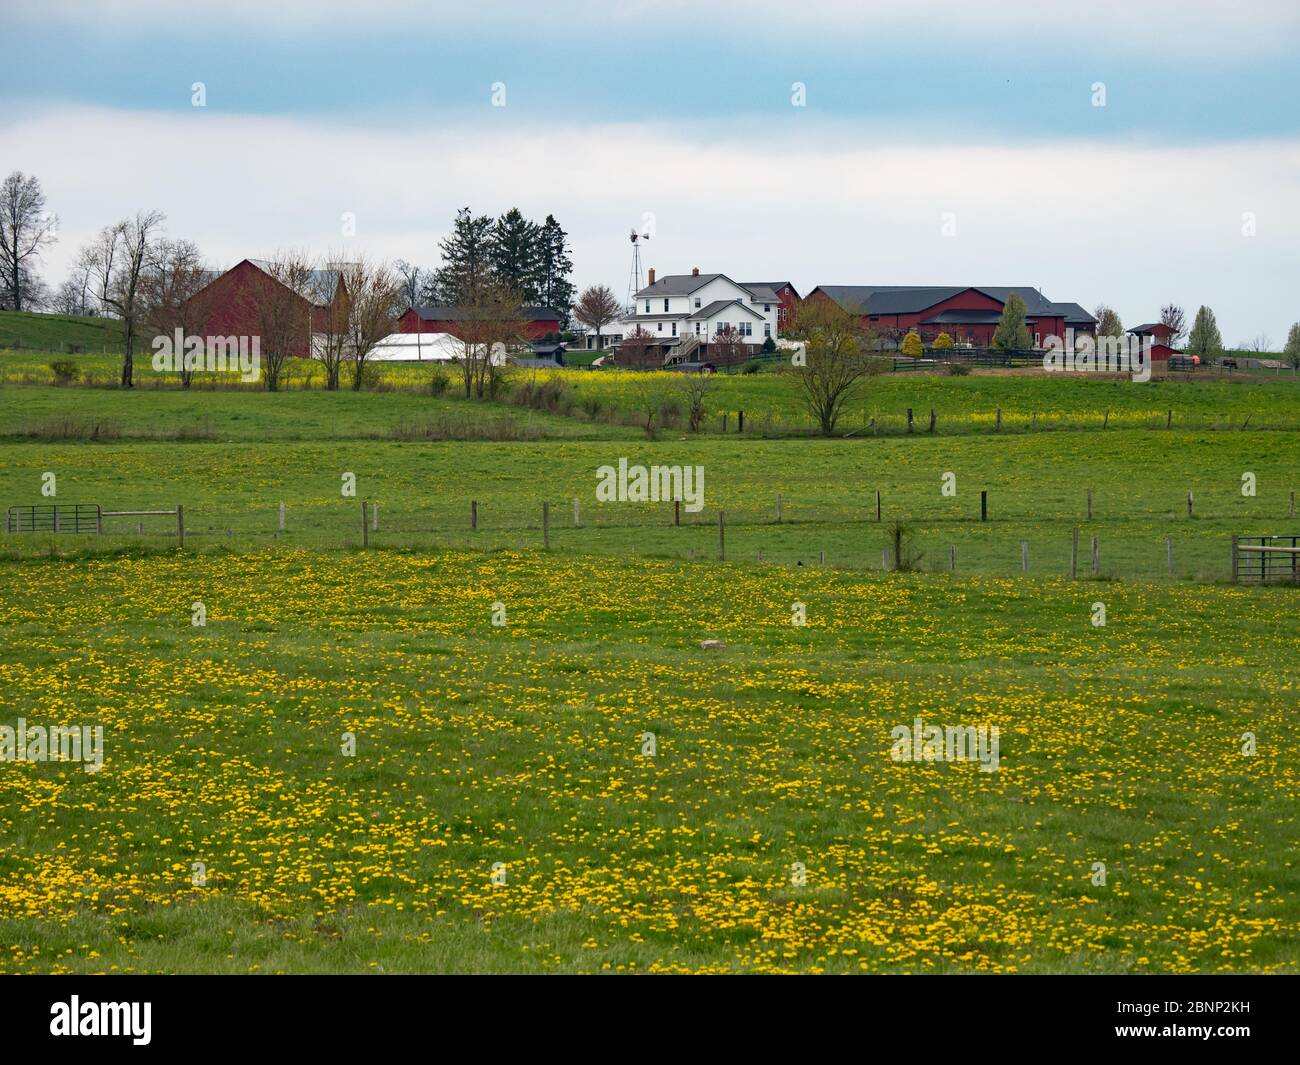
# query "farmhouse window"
(665, 303)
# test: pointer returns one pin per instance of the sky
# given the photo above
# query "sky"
(1133, 154)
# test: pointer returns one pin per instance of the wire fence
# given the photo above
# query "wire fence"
(872, 534)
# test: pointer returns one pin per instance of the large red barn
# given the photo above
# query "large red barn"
(968, 315)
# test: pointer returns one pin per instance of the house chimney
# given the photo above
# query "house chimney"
(695, 271)
(652, 275)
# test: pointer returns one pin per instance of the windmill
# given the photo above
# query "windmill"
(635, 282)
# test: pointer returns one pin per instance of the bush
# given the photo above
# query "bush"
(65, 371)
(912, 346)
(958, 369)
(942, 342)
(769, 346)
(751, 367)
(439, 381)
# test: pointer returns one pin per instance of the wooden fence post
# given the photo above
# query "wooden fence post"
(778, 508)
(577, 521)
(740, 421)
(984, 506)
(952, 558)
(1189, 502)
(180, 525)
(374, 517)
(546, 526)
(722, 536)
(822, 558)
(1074, 553)
(724, 422)
(1292, 513)
(1024, 556)
(909, 419)
(884, 558)
(1234, 560)
(1096, 558)
(877, 504)
(931, 419)
(677, 511)
(282, 517)
(473, 514)
(1090, 504)
(365, 526)
(997, 425)
(1169, 554)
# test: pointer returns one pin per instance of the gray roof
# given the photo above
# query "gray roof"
(912, 299)
(773, 286)
(717, 305)
(449, 313)
(685, 284)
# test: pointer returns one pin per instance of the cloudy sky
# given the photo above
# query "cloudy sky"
(938, 141)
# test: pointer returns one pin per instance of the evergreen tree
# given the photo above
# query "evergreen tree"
(1204, 339)
(1012, 334)
(554, 289)
(515, 254)
(466, 260)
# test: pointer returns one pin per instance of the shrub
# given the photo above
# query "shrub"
(65, 371)
(912, 346)
(751, 367)
(958, 369)
(769, 346)
(439, 381)
(942, 342)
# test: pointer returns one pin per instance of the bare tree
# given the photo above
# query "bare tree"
(596, 308)
(728, 347)
(639, 351)
(492, 323)
(74, 295)
(175, 294)
(412, 282)
(373, 295)
(1172, 316)
(695, 389)
(331, 331)
(123, 252)
(283, 312)
(25, 228)
(834, 359)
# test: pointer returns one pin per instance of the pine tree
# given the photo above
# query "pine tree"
(1012, 334)
(1204, 339)
(515, 254)
(554, 289)
(466, 260)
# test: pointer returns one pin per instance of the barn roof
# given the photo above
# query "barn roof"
(444, 312)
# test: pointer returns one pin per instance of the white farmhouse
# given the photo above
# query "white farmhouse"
(684, 313)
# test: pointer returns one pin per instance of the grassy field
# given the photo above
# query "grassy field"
(522, 744)
(59, 333)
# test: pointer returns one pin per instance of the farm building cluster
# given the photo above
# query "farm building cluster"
(675, 321)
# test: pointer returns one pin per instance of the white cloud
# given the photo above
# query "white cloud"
(1132, 225)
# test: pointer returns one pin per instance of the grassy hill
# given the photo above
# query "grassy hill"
(59, 332)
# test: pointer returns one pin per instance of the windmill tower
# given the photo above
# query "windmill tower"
(637, 281)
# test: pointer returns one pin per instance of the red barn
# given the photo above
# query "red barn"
(1161, 348)
(539, 321)
(788, 296)
(968, 315)
(232, 299)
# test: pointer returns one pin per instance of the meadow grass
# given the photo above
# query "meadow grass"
(522, 745)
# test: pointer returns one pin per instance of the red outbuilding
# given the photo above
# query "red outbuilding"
(538, 321)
